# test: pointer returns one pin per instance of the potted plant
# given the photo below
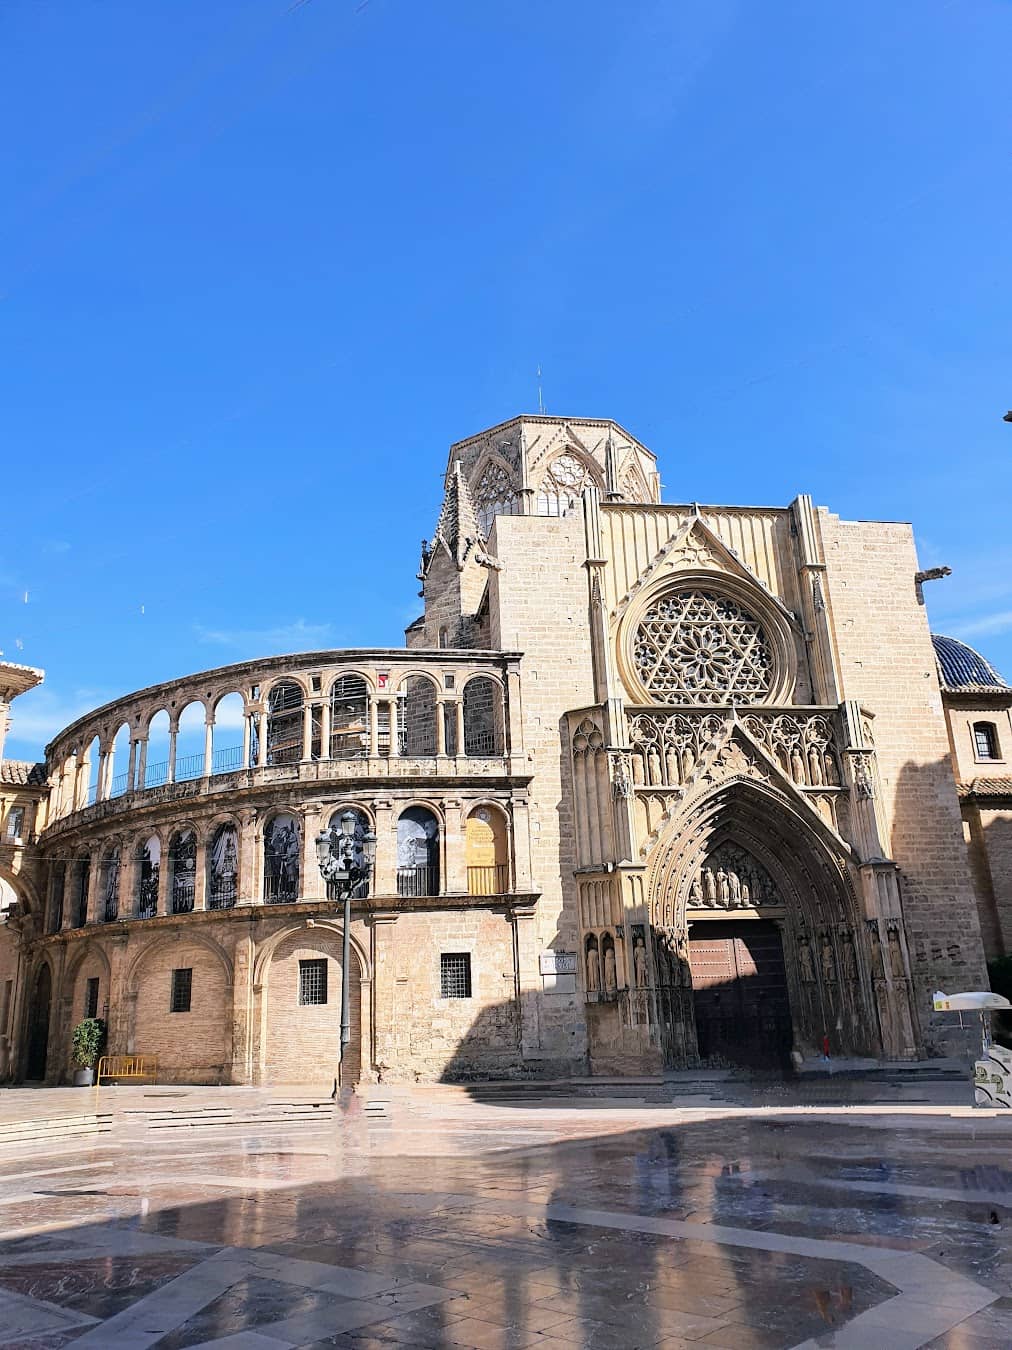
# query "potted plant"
(86, 1046)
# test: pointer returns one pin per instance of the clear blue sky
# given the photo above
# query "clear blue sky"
(262, 261)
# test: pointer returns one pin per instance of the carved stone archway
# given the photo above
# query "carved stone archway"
(785, 873)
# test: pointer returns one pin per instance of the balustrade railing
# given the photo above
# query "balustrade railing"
(418, 881)
(280, 890)
(222, 893)
(492, 880)
(189, 766)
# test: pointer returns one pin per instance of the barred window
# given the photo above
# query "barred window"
(182, 983)
(312, 982)
(15, 824)
(985, 740)
(455, 975)
(91, 998)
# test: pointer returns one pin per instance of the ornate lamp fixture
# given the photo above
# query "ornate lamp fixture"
(345, 862)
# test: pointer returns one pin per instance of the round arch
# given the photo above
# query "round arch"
(24, 889)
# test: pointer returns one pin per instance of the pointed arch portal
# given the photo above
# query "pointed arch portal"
(759, 943)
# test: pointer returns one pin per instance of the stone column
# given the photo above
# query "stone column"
(454, 868)
(142, 762)
(325, 729)
(163, 905)
(526, 978)
(94, 872)
(132, 766)
(460, 725)
(101, 782)
(245, 740)
(373, 725)
(200, 874)
(242, 1010)
(521, 841)
(384, 878)
(440, 726)
(170, 768)
(395, 747)
(307, 731)
(262, 748)
(208, 745)
(514, 743)
(384, 983)
(312, 882)
(249, 880)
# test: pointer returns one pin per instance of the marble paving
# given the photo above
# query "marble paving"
(503, 1227)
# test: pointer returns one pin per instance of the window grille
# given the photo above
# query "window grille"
(91, 998)
(455, 975)
(182, 984)
(312, 982)
(15, 824)
(985, 740)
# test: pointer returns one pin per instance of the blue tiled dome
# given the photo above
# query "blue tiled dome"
(960, 667)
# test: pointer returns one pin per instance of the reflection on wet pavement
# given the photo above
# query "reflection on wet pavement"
(494, 1228)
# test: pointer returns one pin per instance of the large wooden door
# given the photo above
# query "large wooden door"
(38, 1027)
(739, 990)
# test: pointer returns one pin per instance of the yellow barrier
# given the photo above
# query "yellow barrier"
(126, 1066)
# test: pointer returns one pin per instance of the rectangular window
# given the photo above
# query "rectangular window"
(985, 740)
(455, 975)
(15, 823)
(312, 982)
(91, 998)
(182, 983)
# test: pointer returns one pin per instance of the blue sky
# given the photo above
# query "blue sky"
(260, 263)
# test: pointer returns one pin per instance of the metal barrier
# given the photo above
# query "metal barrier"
(126, 1066)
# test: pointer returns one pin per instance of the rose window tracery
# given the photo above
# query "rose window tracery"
(494, 495)
(696, 647)
(562, 485)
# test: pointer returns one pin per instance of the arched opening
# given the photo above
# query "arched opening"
(155, 770)
(417, 709)
(149, 863)
(487, 852)
(281, 859)
(57, 895)
(109, 884)
(38, 1025)
(362, 827)
(483, 721)
(985, 741)
(118, 769)
(227, 734)
(349, 718)
(190, 742)
(223, 868)
(284, 723)
(82, 884)
(182, 871)
(93, 763)
(417, 852)
(302, 988)
(759, 945)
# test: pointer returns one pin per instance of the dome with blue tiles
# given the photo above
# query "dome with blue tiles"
(963, 670)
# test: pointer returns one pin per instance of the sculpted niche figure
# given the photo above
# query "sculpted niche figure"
(640, 963)
(723, 889)
(695, 894)
(895, 955)
(610, 979)
(709, 888)
(805, 962)
(593, 970)
(849, 958)
(734, 888)
(828, 960)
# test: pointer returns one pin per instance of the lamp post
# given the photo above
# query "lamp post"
(342, 871)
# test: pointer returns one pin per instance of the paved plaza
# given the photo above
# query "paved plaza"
(429, 1219)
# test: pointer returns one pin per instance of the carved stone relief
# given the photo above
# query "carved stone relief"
(730, 878)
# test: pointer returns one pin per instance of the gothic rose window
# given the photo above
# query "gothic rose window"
(695, 647)
(494, 495)
(563, 485)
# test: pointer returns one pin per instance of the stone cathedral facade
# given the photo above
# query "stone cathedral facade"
(653, 785)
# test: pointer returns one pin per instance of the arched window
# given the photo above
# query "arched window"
(83, 869)
(93, 759)
(190, 742)
(223, 868)
(148, 867)
(487, 854)
(417, 852)
(118, 770)
(281, 859)
(494, 494)
(182, 871)
(444, 636)
(985, 740)
(562, 485)
(349, 718)
(284, 724)
(362, 826)
(227, 734)
(156, 754)
(110, 884)
(417, 709)
(483, 718)
(59, 882)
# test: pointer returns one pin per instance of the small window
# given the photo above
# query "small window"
(449, 680)
(455, 975)
(985, 740)
(312, 982)
(91, 998)
(182, 983)
(15, 823)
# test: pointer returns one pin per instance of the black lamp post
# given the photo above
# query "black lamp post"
(336, 853)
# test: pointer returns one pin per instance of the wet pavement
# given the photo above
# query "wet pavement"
(451, 1222)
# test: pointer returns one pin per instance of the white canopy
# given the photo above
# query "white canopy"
(977, 1002)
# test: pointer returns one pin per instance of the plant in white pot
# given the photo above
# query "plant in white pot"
(85, 1048)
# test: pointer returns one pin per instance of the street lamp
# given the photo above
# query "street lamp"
(343, 871)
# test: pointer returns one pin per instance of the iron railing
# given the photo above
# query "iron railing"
(222, 894)
(281, 890)
(189, 766)
(119, 785)
(227, 760)
(480, 744)
(493, 880)
(417, 881)
(156, 774)
(182, 894)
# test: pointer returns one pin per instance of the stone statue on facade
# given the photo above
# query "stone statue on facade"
(895, 955)
(593, 971)
(849, 957)
(828, 960)
(640, 963)
(610, 977)
(805, 962)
